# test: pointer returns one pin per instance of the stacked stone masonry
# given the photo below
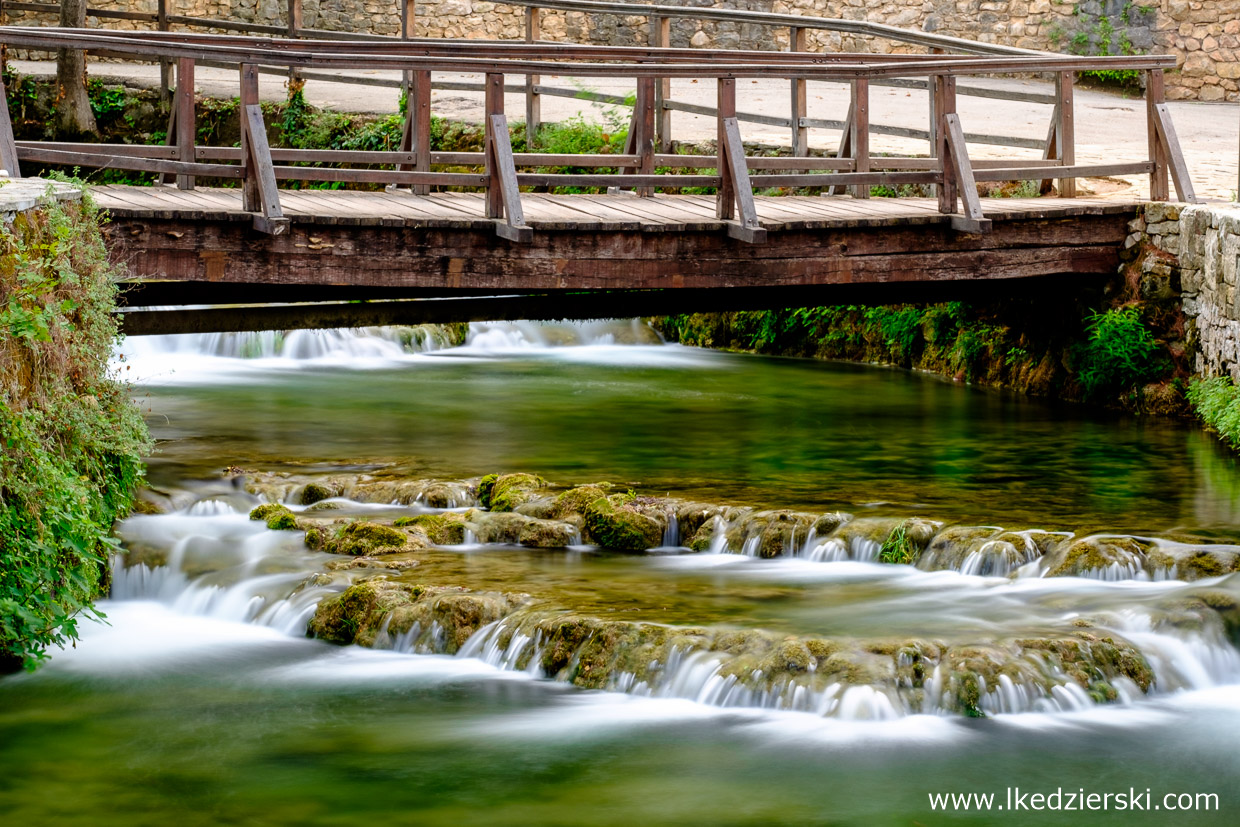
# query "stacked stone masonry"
(1201, 246)
(1204, 35)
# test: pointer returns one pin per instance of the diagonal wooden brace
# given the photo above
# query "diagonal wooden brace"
(747, 227)
(259, 193)
(513, 227)
(958, 156)
(1175, 156)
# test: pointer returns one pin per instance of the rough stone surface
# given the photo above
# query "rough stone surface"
(1204, 35)
(1201, 245)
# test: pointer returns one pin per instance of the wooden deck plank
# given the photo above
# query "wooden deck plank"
(670, 213)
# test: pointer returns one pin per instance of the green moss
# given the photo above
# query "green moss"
(266, 511)
(358, 538)
(613, 522)
(441, 529)
(576, 500)
(277, 517)
(507, 492)
(485, 486)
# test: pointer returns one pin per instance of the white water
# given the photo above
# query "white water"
(212, 358)
(228, 569)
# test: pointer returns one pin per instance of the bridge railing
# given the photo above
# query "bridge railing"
(731, 173)
(659, 19)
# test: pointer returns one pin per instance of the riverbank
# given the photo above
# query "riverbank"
(73, 440)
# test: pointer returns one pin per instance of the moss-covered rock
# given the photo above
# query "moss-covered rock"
(1098, 557)
(277, 517)
(616, 522)
(313, 492)
(440, 529)
(366, 538)
(770, 533)
(830, 521)
(506, 492)
(1185, 562)
(576, 500)
(363, 611)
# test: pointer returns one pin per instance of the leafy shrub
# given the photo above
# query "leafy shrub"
(72, 439)
(1118, 353)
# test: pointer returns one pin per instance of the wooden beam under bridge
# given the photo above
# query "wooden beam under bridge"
(563, 304)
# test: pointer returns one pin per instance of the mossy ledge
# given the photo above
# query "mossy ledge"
(73, 440)
(533, 513)
(910, 675)
(1121, 346)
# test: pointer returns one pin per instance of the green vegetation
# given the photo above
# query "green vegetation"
(1217, 401)
(72, 438)
(1098, 31)
(1119, 352)
(899, 547)
(1018, 343)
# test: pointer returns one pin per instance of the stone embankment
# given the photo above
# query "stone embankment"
(1204, 35)
(1195, 251)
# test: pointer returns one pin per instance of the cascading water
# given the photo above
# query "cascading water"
(1088, 652)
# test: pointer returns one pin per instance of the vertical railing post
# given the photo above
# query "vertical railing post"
(295, 25)
(408, 16)
(861, 132)
(643, 121)
(725, 197)
(165, 65)
(799, 111)
(1065, 131)
(494, 105)
(251, 200)
(661, 38)
(533, 103)
(185, 118)
(418, 107)
(934, 116)
(1159, 186)
(944, 104)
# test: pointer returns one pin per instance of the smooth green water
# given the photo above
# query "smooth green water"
(256, 729)
(772, 432)
(180, 712)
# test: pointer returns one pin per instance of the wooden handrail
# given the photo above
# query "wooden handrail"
(858, 27)
(950, 169)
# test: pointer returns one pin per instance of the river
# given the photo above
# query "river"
(201, 700)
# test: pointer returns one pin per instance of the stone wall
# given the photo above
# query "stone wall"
(1204, 35)
(1200, 247)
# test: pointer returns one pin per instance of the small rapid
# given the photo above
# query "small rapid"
(1018, 650)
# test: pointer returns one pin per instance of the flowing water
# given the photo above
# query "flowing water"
(201, 701)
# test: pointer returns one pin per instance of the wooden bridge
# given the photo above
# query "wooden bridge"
(428, 235)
